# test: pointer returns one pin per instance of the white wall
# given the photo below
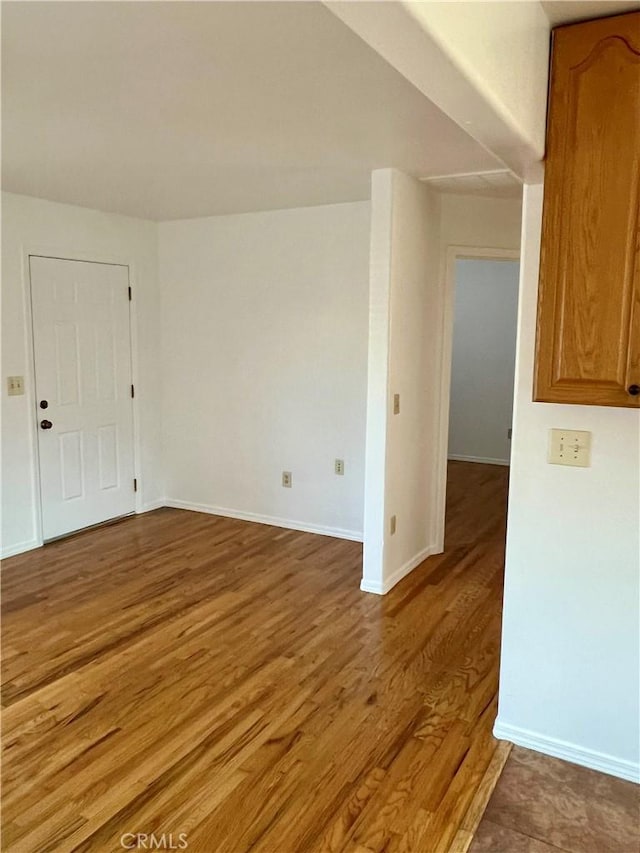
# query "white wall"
(483, 360)
(480, 222)
(569, 681)
(30, 224)
(405, 305)
(264, 319)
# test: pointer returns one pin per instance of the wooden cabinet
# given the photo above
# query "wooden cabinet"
(588, 339)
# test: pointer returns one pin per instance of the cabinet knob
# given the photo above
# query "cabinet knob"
(634, 390)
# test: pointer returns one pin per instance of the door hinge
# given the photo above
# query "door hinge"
(133, 391)
(135, 485)
(129, 294)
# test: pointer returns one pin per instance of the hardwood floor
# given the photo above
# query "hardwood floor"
(183, 673)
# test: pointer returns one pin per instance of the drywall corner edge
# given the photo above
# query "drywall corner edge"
(377, 377)
(383, 587)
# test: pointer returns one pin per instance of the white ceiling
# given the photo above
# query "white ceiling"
(176, 109)
(567, 11)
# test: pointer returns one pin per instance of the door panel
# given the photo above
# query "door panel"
(108, 456)
(83, 370)
(71, 467)
(67, 374)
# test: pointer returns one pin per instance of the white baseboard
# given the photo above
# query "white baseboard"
(20, 548)
(382, 588)
(273, 521)
(568, 751)
(151, 506)
(336, 532)
(485, 460)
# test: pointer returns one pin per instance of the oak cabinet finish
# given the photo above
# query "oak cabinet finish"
(588, 338)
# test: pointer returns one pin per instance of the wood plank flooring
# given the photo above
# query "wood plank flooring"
(183, 673)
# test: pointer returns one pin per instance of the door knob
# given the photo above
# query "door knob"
(46, 424)
(634, 390)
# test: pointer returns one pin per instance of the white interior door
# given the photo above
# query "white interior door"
(82, 352)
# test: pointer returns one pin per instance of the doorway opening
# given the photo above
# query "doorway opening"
(484, 308)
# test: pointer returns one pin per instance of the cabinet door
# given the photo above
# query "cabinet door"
(588, 342)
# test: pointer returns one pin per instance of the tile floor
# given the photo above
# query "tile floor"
(543, 804)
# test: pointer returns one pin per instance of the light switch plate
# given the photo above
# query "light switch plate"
(15, 386)
(570, 447)
(396, 404)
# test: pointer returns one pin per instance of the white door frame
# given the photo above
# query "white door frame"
(453, 254)
(66, 254)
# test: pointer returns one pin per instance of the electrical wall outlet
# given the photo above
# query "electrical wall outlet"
(570, 447)
(339, 467)
(286, 479)
(15, 386)
(396, 404)
(392, 524)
